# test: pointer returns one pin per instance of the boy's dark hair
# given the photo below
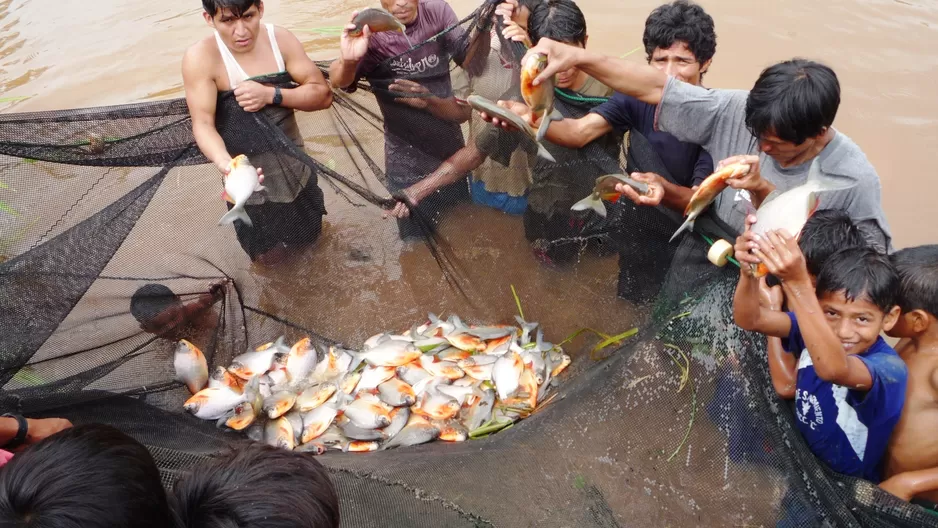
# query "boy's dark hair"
(825, 233)
(150, 300)
(681, 20)
(918, 277)
(793, 99)
(559, 20)
(257, 486)
(237, 7)
(92, 476)
(860, 272)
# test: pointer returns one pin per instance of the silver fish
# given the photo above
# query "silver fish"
(317, 421)
(277, 404)
(296, 421)
(417, 431)
(399, 418)
(412, 375)
(506, 373)
(367, 414)
(301, 360)
(241, 182)
(190, 366)
(481, 104)
(480, 411)
(358, 433)
(213, 403)
(396, 393)
(279, 433)
(314, 396)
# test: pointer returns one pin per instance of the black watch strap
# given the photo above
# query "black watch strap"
(278, 96)
(20, 437)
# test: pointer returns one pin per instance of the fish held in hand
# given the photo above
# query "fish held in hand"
(481, 104)
(191, 367)
(241, 182)
(605, 189)
(377, 20)
(540, 98)
(707, 193)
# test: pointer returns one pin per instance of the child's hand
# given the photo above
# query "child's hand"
(746, 242)
(782, 256)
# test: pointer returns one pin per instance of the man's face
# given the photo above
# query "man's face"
(857, 324)
(784, 152)
(567, 79)
(679, 61)
(403, 10)
(238, 33)
(168, 324)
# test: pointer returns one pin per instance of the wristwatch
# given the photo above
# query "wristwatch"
(20, 437)
(278, 97)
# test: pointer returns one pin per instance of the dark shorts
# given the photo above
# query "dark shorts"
(431, 209)
(296, 223)
(560, 238)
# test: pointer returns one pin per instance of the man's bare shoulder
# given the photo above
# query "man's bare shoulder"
(288, 41)
(203, 53)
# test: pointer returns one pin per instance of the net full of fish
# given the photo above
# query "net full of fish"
(441, 380)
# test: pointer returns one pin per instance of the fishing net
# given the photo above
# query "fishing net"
(675, 423)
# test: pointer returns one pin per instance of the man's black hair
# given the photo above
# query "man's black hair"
(530, 4)
(237, 7)
(918, 275)
(794, 99)
(681, 20)
(257, 486)
(91, 475)
(861, 273)
(825, 233)
(150, 300)
(560, 20)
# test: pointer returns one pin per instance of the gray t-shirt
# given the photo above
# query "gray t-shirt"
(716, 120)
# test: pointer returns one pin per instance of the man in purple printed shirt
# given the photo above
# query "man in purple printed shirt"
(420, 132)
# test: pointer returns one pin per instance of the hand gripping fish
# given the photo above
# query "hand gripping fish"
(241, 182)
(605, 189)
(707, 193)
(791, 209)
(481, 104)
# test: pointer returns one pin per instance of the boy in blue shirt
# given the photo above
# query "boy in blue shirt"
(851, 384)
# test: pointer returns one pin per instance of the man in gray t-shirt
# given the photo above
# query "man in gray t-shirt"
(779, 127)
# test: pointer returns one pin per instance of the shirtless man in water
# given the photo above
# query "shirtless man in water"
(289, 213)
(911, 467)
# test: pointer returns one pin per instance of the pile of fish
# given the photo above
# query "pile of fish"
(440, 380)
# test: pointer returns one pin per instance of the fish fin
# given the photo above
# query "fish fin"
(225, 197)
(827, 182)
(542, 127)
(236, 213)
(357, 359)
(688, 224)
(542, 152)
(259, 188)
(590, 202)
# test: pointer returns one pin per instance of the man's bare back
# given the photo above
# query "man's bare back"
(914, 444)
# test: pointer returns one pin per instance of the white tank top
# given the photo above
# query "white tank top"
(236, 74)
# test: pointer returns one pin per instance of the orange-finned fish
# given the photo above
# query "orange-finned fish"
(241, 182)
(791, 209)
(605, 189)
(540, 98)
(707, 193)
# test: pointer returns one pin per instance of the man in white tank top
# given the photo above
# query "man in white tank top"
(242, 48)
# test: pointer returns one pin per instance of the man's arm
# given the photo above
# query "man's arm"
(641, 81)
(464, 160)
(911, 483)
(570, 133)
(783, 258)
(36, 430)
(201, 97)
(312, 93)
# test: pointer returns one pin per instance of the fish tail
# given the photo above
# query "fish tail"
(688, 224)
(236, 213)
(590, 202)
(542, 152)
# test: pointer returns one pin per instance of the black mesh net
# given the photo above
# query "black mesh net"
(677, 424)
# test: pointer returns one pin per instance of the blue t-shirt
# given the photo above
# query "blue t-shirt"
(849, 430)
(689, 164)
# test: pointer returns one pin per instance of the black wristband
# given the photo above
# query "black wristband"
(20, 433)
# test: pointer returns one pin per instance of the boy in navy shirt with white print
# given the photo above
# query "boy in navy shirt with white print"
(850, 383)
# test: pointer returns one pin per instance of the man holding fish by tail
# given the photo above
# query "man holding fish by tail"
(285, 213)
(421, 119)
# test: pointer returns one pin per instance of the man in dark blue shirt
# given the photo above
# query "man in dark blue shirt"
(679, 39)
